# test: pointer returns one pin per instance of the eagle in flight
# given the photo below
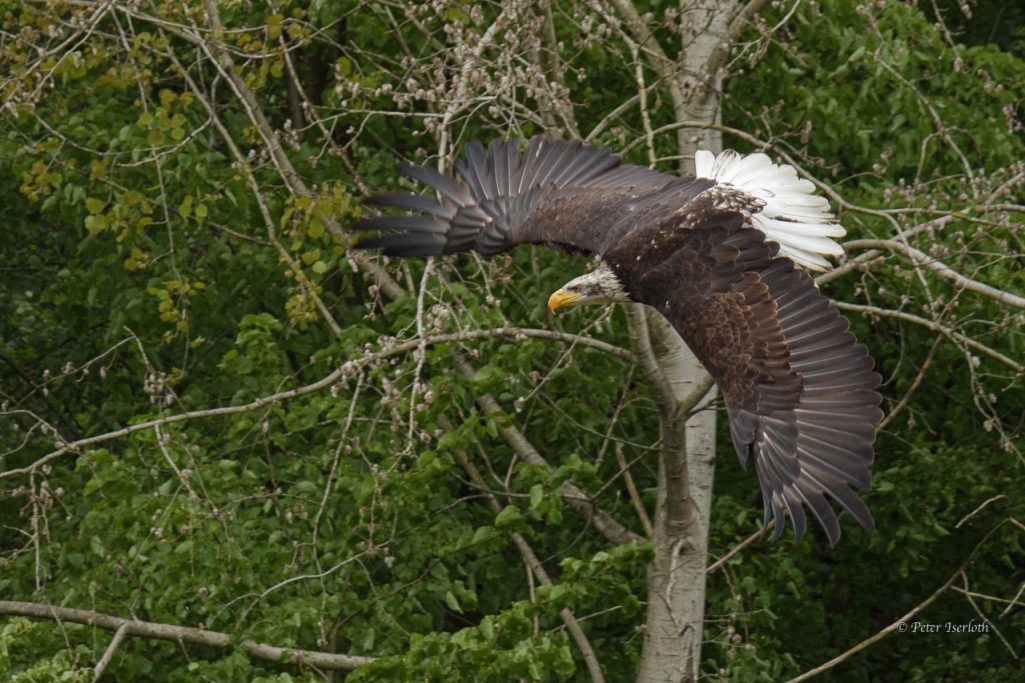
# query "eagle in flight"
(715, 255)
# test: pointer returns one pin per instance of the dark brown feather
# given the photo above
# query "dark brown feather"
(562, 193)
(800, 392)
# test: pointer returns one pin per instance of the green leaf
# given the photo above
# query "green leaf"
(537, 494)
(452, 603)
(488, 377)
(509, 516)
(484, 533)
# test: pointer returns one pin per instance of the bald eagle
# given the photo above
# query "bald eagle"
(715, 254)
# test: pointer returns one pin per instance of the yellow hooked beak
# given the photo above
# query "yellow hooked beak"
(561, 298)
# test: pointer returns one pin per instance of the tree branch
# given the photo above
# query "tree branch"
(322, 383)
(635, 496)
(572, 625)
(108, 654)
(922, 259)
(739, 24)
(225, 65)
(574, 496)
(934, 326)
(912, 612)
(640, 340)
(666, 68)
(718, 564)
(688, 403)
(198, 636)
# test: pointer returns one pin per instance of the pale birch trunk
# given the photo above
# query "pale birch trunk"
(676, 578)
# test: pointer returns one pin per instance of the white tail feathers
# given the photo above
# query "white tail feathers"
(793, 215)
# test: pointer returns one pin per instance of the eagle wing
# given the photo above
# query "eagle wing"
(558, 192)
(800, 392)
(706, 252)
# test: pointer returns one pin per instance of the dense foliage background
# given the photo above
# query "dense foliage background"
(345, 474)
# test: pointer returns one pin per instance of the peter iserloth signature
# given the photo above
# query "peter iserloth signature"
(947, 627)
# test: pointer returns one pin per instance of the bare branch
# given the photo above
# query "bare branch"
(721, 562)
(739, 24)
(932, 325)
(688, 404)
(653, 375)
(198, 636)
(222, 59)
(943, 270)
(571, 493)
(322, 383)
(631, 488)
(868, 642)
(970, 597)
(906, 398)
(108, 654)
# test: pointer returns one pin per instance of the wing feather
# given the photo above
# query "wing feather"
(448, 187)
(800, 392)
(551, 195)
(539, 160)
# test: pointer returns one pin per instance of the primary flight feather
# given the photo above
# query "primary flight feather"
(715, 254)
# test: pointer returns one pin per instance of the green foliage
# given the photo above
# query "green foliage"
(501, 647)
(143, 278)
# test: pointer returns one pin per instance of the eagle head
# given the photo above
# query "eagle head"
(600, 286)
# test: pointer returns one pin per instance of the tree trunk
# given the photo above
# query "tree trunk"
(700, 77)
(676, 578)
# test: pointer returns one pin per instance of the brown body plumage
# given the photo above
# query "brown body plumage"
(800, 392)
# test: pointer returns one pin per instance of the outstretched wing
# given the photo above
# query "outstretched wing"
(558, 192)
(800, 392)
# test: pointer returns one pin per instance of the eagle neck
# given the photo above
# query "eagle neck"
(611, 281)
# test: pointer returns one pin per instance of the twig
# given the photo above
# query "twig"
(740, 546)
(896, 624)
(906, 398)
(420, 355)
(642, 94)
(993, 598)
(631, 488)
(969, 596)
(978, 509)
(1014, 601)
(322, 383)
(855, 263)
(932, 325)
(737, 26)
(119, 635)
(640, 341)
(288, 173)
(295, 579)
(261, 202)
